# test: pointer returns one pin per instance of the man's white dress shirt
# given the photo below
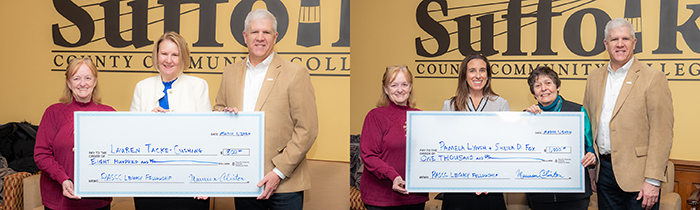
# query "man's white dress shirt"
(254, 78)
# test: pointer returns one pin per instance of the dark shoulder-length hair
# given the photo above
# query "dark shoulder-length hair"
(459, 101)
(539, 72)
(72, 68)
(390, 76)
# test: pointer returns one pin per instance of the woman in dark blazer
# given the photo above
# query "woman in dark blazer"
(544, 85)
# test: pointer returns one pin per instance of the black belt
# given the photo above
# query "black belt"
(606, 157)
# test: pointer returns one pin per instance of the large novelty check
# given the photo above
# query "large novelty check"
(125, 154)
(494, 152)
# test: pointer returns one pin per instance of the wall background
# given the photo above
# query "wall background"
(33, 76)
(388, 37)
(384, 34)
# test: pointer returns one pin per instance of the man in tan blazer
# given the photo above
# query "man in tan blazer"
(267, 82)
(632, 118)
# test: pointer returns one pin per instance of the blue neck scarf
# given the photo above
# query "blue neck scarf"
(554, 107)
(163, 102)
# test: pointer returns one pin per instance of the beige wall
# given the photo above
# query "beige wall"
(30, 86)
(387, 36)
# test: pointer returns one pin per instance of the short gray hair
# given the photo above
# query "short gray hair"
(617, 23)
(260, 14)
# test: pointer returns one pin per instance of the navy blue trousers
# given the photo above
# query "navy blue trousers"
(278, 201)
(610, 196)
(580, 204)
(469, 201)
(171, 203)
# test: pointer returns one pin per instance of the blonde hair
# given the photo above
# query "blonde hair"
(72, 68)
(184, 54)
(390, 76)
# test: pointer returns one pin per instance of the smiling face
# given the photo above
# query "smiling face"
(168, 60)
(260, 39)
(399, 90)
(620, 46)
(82, 83)
(546, 90)
(477, 76)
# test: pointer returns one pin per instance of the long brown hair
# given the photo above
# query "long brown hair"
(459, 101)
(72, 68)
(390, 76)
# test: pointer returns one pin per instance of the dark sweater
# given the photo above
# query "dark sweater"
(53, 154)
(383, 151)
(562, 105)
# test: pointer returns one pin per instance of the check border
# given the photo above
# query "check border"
(251, 193)
(409, 146)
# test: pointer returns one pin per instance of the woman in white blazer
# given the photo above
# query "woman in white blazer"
(184, 94)
(171, 90)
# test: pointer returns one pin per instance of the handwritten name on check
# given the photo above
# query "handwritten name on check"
(494, 152)
(130, 154)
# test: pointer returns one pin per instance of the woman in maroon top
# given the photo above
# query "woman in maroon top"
(383, 146)
(53, 152)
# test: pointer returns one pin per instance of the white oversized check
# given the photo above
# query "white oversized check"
(494, 152)
(140, 154)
